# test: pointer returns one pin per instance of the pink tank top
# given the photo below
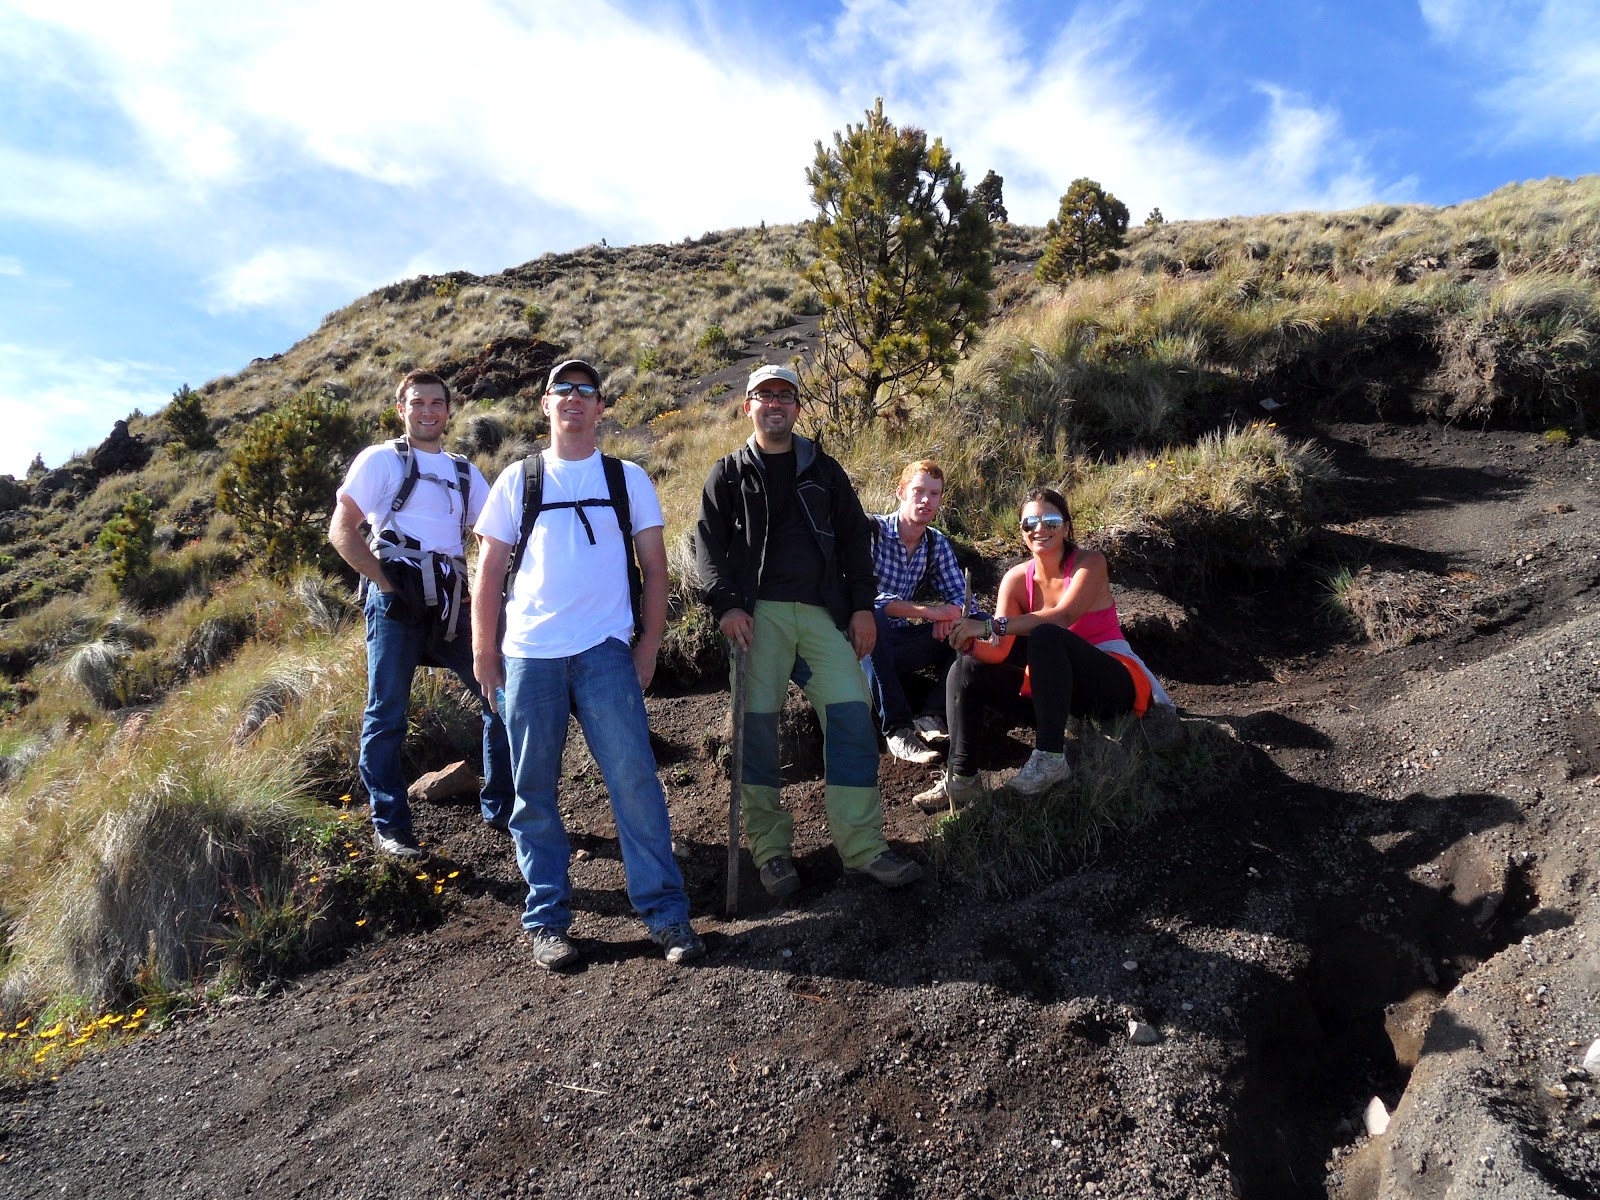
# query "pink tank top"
(1093, 627)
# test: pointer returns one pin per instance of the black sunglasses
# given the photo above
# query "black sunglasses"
(566, 388)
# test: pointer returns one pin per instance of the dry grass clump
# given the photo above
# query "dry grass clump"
(1127, 358)
(1524, 347)
(1397, 608)
(128, 873)
(1243, 499)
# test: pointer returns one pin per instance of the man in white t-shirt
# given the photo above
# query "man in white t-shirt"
(416, 597)
(568, 621)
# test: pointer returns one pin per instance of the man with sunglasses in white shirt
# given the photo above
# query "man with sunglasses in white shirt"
(418, 502)
(555, 560)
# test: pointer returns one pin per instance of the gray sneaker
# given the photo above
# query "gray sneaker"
(1040, 773)
(951, 791)
(892, 870)
(680, 942)
(905, 745)
(402, 846)
(552, 949)
(779, 877)
(932, 729)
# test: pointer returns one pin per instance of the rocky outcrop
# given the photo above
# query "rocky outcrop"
(121, 451)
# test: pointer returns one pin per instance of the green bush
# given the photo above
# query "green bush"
(128, 539)
(280, 481)
(185, 417)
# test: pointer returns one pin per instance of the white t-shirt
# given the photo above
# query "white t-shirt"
(432, 513)
(568, 596)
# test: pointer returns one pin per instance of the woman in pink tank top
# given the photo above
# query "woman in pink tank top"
(1053, 650)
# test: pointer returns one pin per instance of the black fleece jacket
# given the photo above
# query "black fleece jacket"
(731, 535)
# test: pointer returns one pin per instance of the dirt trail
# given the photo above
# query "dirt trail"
(1408, 861)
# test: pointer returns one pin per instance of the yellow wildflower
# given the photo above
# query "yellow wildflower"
(53, 1031)
(452, 874)
(361, 922)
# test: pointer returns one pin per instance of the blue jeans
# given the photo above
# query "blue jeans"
(394, 651)
(901, 651)
(603, 686)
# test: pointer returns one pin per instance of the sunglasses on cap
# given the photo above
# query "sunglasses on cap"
(1049, 520)
(566, 387)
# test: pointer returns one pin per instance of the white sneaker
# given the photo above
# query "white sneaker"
(1040, 773)
(951, 791)
(932, 729)
(905, 745)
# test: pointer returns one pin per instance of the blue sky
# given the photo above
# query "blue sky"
(187, 185)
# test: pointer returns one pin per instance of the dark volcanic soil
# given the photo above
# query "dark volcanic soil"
(1403, 878)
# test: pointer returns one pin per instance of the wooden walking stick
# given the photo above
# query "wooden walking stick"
(740, 687)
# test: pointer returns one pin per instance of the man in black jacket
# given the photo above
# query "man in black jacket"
(785, 563)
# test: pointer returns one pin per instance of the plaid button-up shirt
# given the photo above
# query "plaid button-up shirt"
(900, 574)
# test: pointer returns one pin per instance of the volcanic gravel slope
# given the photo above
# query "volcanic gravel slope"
(1397, 900)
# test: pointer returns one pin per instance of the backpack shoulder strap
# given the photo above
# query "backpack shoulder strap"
(532, 502)
(617, 486)
(410, 473)
(464, 483)
(532, 505)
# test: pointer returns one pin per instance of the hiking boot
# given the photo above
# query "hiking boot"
(905, 745)
(951, 791)
(779, 877)
(502, 823)
(1040, 773)
(551, 947)
(680, 942)
(397, 845)
(892, 870)
(932, 729)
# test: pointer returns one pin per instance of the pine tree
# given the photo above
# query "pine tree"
(1085, 234)
(988, 195)
(279, 483)
(185, 416)
(129, 539)
(1155, 220)
(903, 268)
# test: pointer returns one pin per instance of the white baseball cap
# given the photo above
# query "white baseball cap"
(771, 371)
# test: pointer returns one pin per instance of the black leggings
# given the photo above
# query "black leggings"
(1069, 677)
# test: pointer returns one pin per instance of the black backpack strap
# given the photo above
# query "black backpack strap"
(464, 482)
(617, 486)
(532, 503)
(412, 472)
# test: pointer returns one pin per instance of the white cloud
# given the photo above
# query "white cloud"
(51, 190)
(11, 266)
(69, 402)
(1085, 108)
(602, 113)
(1544, 56)
(284, 277)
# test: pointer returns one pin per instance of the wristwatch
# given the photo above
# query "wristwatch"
(1000, 624)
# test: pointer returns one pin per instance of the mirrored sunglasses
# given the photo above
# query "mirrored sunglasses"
(566, 388)
(1049, 520)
